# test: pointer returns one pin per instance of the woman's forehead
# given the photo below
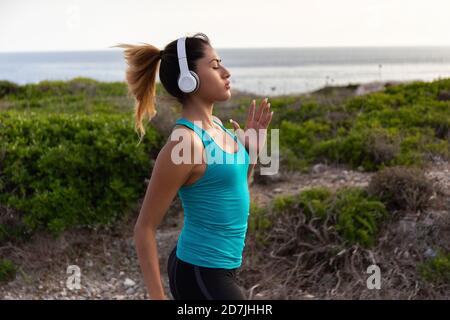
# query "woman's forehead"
(210, 54)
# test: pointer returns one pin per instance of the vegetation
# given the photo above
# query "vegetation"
(64, 169)
(7, 270)
(436, 269)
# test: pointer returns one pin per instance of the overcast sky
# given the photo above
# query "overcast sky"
(31, 25)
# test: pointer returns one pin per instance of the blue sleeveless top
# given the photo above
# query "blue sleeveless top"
(216, 206)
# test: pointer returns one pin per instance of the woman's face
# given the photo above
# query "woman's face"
(213, 77)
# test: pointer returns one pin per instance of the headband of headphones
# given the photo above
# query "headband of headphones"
(182, 58)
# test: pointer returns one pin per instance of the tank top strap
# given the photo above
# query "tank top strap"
(204, 136)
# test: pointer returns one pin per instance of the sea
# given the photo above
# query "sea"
(263, 71)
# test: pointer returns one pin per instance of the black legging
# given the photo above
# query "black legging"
(189, 282)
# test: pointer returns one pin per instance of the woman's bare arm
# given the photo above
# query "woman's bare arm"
(166, 178)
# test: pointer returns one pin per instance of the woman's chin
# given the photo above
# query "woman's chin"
(227, 95)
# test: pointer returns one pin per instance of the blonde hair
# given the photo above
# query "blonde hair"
(142, 63)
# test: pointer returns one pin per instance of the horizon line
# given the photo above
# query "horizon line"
(240, 48)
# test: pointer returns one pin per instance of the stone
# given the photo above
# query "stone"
(129, 283)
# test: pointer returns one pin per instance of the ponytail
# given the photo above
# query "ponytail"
(142, 63)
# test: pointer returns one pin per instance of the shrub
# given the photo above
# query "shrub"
(401, 188)
(258, 223)
(7, 270)
(436, 269)
(372, 131)
(63, 170)
(7, 87)
(314, 201)
(357, 215)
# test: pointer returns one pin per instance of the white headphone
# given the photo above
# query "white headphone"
(188, 80)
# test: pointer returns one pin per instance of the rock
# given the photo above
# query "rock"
(429, 253)
(129, 283)
(130, 291)
(267, 179)
(278, 190)
(105, 287)
(318, 168)
(428, 222)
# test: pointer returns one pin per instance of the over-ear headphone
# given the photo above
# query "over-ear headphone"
(188, 80)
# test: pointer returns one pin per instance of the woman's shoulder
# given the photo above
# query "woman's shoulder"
(187, 136)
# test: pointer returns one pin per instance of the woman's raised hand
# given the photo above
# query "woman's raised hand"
(258, 121)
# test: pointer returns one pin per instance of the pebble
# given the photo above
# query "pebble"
(430, 253)
(129, 283)
(318, 168)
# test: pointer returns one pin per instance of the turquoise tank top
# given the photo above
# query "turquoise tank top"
(216, 206)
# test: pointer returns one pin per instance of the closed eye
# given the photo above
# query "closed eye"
(218, 61)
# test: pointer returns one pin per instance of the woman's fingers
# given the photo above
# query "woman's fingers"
(267, 119)
(235, 124)
(260, 110)
(264, 113)
(251, 113)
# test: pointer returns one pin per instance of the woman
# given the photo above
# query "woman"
(214, 196)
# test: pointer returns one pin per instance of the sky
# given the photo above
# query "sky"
(55, 25)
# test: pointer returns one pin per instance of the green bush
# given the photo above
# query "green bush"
(357, 215)
(400, 126)
(436, 269)
(63, 170)
(7, 87)
(258, 223)
(7, 270)
(315, 201)
(74, 96)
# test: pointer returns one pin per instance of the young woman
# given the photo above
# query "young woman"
(215, 196)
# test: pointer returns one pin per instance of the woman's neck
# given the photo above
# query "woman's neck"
(199, 111)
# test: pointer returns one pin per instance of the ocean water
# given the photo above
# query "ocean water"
(262, 71)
